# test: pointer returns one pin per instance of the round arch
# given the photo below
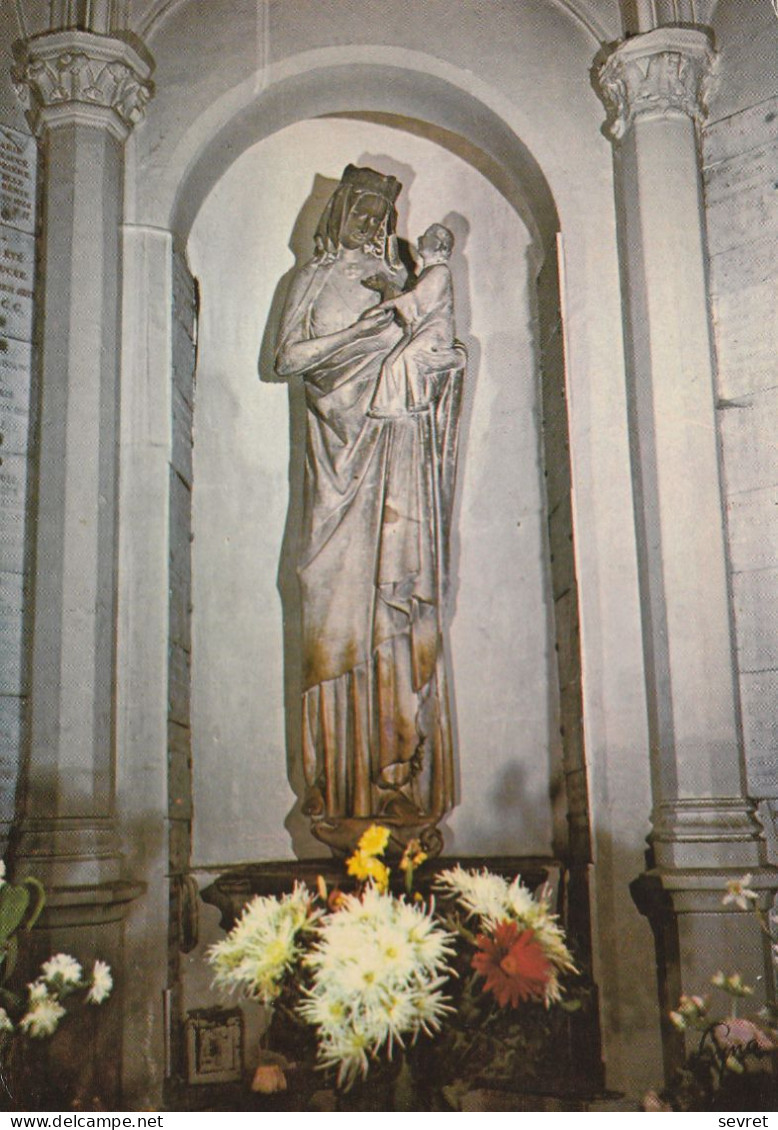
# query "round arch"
(449, 115)
(406, 93)
(176, 168)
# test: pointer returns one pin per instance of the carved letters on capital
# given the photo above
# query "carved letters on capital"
(661, 72)
(69, 68)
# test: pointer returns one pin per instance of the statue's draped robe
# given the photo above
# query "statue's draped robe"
(376, 727)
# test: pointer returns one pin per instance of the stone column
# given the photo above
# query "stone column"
(83, 93)
(704, 827)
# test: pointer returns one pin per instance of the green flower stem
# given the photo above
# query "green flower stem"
(454, 924)
(764, 923)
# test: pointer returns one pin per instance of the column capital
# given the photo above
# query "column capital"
(76, 76)
(662, 72)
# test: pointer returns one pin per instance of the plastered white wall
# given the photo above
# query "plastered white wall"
(500, 631)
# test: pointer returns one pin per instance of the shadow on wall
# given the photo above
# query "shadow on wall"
(510, 801)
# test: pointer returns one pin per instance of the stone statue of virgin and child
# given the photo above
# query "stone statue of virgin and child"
(383, 376)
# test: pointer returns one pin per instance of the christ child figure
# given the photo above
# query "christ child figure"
(410, 375)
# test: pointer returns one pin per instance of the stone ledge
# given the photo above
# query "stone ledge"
(231, 889)
(89, 905)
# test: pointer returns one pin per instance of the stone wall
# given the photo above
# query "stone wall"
(740, 159)
(17, 263)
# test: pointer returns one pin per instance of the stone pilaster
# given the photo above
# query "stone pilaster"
(83, 93)
(704, 826)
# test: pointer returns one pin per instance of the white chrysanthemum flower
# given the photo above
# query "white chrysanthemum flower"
(102, 983)
(6, 1024)
(431, 945)
(264, 944)
(64, 966)
(551, 937)
(44, 1016)
(359, 979)
(396, 1017)
(480, 893)
(378, 967)
(348, 1051)
(430, 1008)
(520, 904)
(398, 952)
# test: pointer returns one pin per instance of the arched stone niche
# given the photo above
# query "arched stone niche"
(219, 198)
(189, 143)
(248, 467)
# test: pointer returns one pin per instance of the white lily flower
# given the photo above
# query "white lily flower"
(102, 983)
(739, 893)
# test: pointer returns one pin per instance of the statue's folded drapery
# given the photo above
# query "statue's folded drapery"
(377, 740)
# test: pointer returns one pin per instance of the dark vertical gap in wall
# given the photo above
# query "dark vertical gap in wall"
(184, 335)
(577, 853)
(557, 473)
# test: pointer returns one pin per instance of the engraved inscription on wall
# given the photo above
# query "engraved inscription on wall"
(17, 179)
(17, 269)
(15, 359)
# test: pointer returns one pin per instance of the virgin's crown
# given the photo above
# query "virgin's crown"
(368, 180)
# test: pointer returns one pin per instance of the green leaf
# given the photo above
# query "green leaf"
(13, 906)
(570, 1006)
(40, 900)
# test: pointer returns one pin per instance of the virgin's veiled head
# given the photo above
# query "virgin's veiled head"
(361, 213)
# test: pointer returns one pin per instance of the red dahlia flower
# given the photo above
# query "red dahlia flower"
(513, 963)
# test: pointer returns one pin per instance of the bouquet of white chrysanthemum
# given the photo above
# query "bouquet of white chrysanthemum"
(265, 944)
(370, 972)
(522, 949)
(379, 965)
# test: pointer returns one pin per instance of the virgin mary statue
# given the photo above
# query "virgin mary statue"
(376, 721)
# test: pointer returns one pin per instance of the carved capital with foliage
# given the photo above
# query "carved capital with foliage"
(663, 72)
(74, 75)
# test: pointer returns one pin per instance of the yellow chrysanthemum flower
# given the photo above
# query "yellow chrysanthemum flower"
(364, 866)
(374, 840)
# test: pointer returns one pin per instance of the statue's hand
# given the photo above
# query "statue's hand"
(386, 287)
(373, 321)
(378, 281)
